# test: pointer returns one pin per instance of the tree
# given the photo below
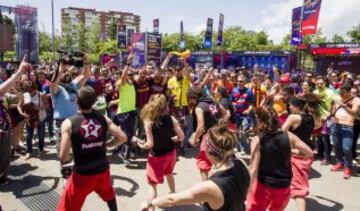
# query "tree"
(67, 41)
(354, 34)
(112, 29)
(81, 38)
(45, 43)
(337, 39)
(93, 35)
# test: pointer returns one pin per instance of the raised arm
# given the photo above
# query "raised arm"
(84, 76)
(54, 84)
(5, 87)
(123, 77)
(203, 82)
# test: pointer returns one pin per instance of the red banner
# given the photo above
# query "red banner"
(310, 17)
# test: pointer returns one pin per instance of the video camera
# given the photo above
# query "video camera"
(72, 58)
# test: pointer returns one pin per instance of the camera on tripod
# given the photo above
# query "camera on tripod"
(72, 58)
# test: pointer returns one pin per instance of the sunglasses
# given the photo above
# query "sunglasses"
(240, 81)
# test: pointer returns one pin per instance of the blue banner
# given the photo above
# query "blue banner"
(153, 48)
(130, 32)
(296, 38)
(121, 36)
(138, 47)
(220, 31)
(26, 22)
(208, 34)
(182, 36)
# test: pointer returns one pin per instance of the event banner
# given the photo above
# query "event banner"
(208, 34)
(220, 31)
(310, 16)
(156, 26)
(182, 36)
(153, 54)
(296, 38)
(26, 22)
(121, 36)
(130, 32)
(138, 48)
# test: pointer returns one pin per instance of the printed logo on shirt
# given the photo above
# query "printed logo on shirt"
(90, 129)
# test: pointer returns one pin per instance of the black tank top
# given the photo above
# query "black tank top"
(210, 111)
(88, 143)
(234, 184)
(305, 129)
(163, 131)
(275, 166)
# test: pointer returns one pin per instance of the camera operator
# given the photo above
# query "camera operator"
(64, 90)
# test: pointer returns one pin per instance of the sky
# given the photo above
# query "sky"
(273, 16)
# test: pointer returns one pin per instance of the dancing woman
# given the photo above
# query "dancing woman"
(304, 118)
(270, 165)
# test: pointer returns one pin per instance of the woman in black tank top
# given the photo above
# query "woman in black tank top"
(228, 184)
(160, 128)
(304, 112)
(270, 166)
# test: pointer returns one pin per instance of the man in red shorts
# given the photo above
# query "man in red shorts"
(86, 133)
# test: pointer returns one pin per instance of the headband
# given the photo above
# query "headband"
(212, 148)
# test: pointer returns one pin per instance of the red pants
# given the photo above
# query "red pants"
(263, 198)
(202, 161)
(300, 181)
(79, 186)
(158, 167)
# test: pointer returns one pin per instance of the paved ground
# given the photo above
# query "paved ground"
(37, 186)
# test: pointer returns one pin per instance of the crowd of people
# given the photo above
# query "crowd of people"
(282, 120)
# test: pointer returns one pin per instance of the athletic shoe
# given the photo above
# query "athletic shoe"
(325, 162)
(347, 173)
(63, 183)
(337, 167)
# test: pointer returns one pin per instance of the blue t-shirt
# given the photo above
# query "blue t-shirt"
(64, 102)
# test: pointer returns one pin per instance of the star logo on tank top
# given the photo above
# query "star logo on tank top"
(90, 129)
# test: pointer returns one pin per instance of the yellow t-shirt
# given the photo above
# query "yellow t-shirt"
(179, 89)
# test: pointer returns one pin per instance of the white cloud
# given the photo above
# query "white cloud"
(199, 28)
(336, 17)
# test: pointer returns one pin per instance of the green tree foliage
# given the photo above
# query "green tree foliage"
(93, 37)
(354, 34)
(337, 39)
(67, 41)
(81, 37)
(45, 42)
(112, 29)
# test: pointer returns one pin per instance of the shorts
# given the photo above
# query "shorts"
(264, 198)
(79, 186)
(202, 161)
(300, 182)
(232, 127)
(159, 166)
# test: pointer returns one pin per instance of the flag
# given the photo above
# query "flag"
(296, 38)
(121, 36)
(182, 36)
(130, 32)
(156, 26)
(310, 16)
(220, 31)
(208, 34)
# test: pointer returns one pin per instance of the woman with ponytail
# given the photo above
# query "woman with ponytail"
(160, 129)
(270, 165)
(304, 118)
(228, 184)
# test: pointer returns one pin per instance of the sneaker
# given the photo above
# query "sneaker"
(337, 167)
(347, 173)
(63, 183)
(325, 161)
(27, 156)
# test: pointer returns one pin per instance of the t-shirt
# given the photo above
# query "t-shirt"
(127, 98)
(142, 93)
(327, 95)
(226, 103)
(97, 84)
(64, 101)
(179, 89)
(242, 99)
(157, 87)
